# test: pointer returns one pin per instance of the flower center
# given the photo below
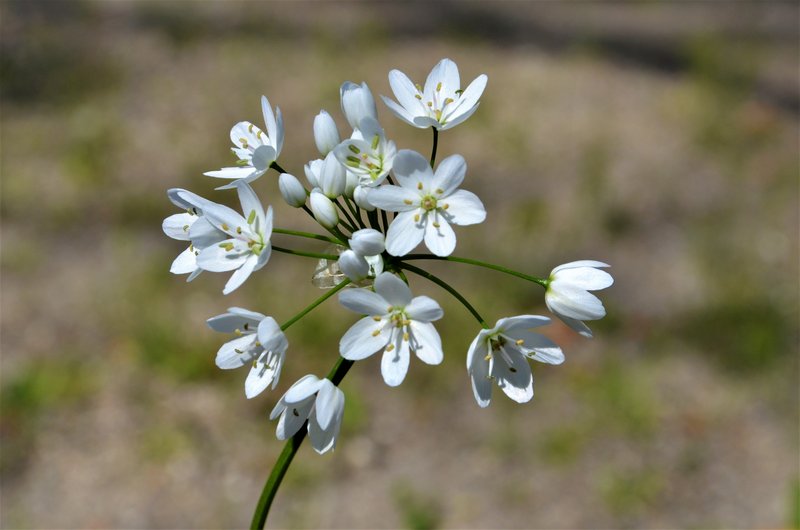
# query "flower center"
(428, 203)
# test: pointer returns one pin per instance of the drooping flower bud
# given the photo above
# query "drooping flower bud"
(326, 135)
(357, 103)
(292, 191)
(354, 266)
(323, 209)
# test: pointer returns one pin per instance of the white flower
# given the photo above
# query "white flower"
(260, 343)
(256, 149)
(500, 354)
(368, 155)
(323, 209)
(317, 400)
(291, 190)
(396, 323)
(427, 203)
(226, 240)
(178, 226)
(358, 262)
(326, 135)
(357, 103)
(567, 293)
(441, 104)
(331, 177)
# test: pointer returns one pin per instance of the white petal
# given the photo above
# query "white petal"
(445, 72)
(404, 234)
(468, 100)
(573, 302)
(250, 202)
(241, 274)
(537, 346)
(185, 263)
(224, 218)
(441, 240)
(241, 319)
(410, 168)
(478, 368)
(229, 358)
(203, 234)
(263, 157)
(305, 387)
(425, 122)
(399, 111)
(328, 403)
(515, 380)
(177, 226)
(455, 121)
(580, 263)
(231, 172)
(323, 434)
(278, 142)
(521, 322)
(353, 265)
(367, 242)
(393, 289)
(259, 378)
(394, 363)
(359, 342)
(394, 198)
(364, 302)
(576, 325)
(424, 309)
(271, 337)
(269, 121)
(585, 278)
(465, 208)
(293, 419)
(426, 343)
(406, 94)
(216, 259)
(449, 174)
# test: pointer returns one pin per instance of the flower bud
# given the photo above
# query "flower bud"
(323, 209)
(367, 242)
(361, 196)
(352, 181)
(357, 103)
(332, 179)
(313, 170)
(354, 266)
(292, 191)
(326, 135)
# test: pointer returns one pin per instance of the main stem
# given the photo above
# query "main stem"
(499, 268)
(336, 375)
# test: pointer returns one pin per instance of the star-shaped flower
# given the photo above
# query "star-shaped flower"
(259, 343)
(177, 226)
(256, 149)
(441, 104)
(500, 353)
(568, 293)
(228, 241)
(368, 155)
(396, 323)
(317, 400)
(428, 203)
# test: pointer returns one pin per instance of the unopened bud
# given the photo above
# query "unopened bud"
(323, 209)
(326, 135)
(367, 242)
(292, 191)
(357, 103)
(354, 266)
(332, 179)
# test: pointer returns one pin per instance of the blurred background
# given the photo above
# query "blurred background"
(659, 137)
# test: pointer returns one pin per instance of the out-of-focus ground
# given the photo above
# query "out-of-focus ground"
(660, 138)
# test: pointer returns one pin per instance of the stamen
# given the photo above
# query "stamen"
(351, 158)
(227, 246)
(354, 149)
(488, 357)
(185, 228)
(405, 336)
(445, 206)
(436, 224)
(258, 134)
(439, 86)
(447, 101)
(419, 185)
(243, 141)
(439, 191)
(430, 104)
(376, 333)
(377, 319)
(250, 128)
(459, 92)
(408, 201)
(419, 87)
(375, 141)
(237, 350)
(237, 332)
(520, 342)
(418, 96)
(416, 218)
(225, 227)
(251, 217)
(390, 347)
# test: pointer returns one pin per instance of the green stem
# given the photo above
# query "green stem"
(341, 238)
(444, 285)
(435, 145)
(350, 220)
(277, 167)
(336, 375)
(304, 234)
(385, 222)
(314, 304)
(303, 253)
(356, 211)
(534, 279)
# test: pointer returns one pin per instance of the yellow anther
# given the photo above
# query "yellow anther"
(438, 86)
(405, 337)
(225, 227)
(520, 342)
(258, 134)
(408, 201)
(243, 141)
(419, 185)
(376, 333)
(418, 96)
(185, 228)
(237, 350)
(445, 206)
(375, 140)
(227, 246)
(439, 191)
(390, 347)
(406, 322)
(439, 114)
(250, 128)
(488, 357)
(430, 104)
(238, 229)
(258, 344)
(447, 101)
(436, 224)
(377, 319)
(251, 217)
(354, 149)
(419, 87)
(416, 218)
(237, 332)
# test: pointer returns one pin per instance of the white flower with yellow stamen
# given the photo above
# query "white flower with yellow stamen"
(396, 323)
(441, 104)
(228, 241)
(259, 343)
(368, 155)
(256, 149)
(179, 226)
(427, 203)
(499, 355)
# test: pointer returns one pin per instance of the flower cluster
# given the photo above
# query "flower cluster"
(376, 204)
